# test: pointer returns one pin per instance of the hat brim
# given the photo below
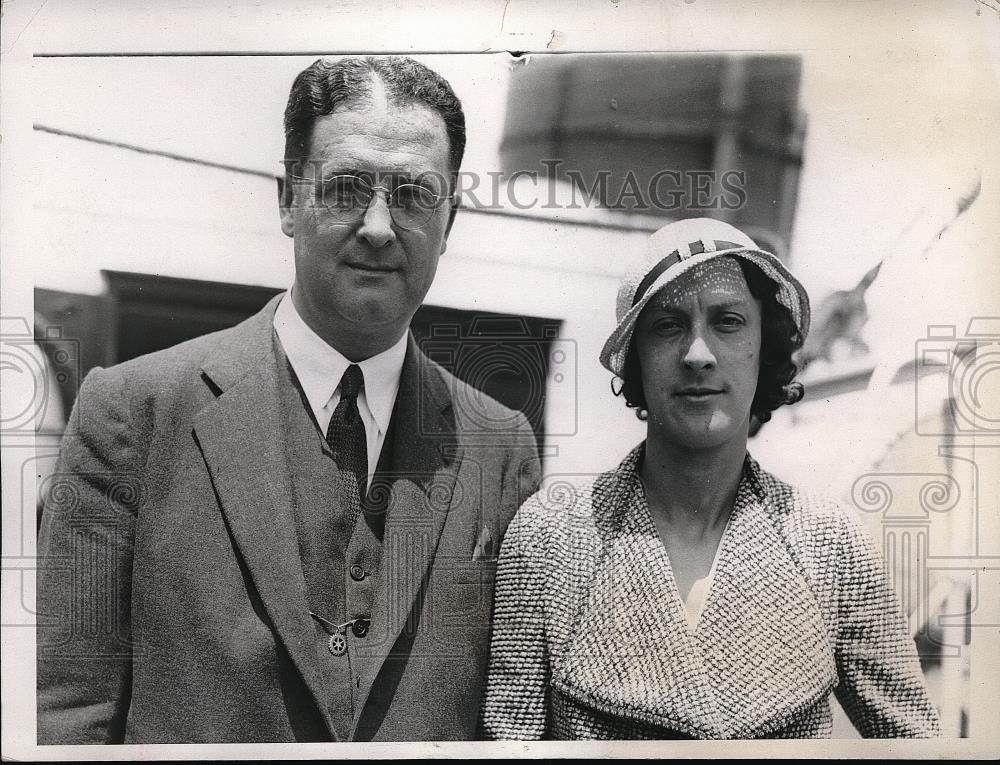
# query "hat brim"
(791, 294)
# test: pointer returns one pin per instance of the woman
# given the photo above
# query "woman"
(689, 593)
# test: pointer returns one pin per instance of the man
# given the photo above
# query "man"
(287, 531)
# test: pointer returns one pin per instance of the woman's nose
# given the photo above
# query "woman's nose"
(699, 356)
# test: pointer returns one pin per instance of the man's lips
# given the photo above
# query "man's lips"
(373, 268)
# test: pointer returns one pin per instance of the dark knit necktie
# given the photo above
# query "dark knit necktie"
(346, 437)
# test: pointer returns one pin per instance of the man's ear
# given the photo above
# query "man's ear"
(456, 203)
(286, 200)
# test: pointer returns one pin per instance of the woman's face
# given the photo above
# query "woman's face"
(698, 342)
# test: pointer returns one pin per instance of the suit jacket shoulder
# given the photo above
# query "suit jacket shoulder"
(224, 353)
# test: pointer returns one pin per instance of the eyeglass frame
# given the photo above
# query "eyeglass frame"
(359, 212)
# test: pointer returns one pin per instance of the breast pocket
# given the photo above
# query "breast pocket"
(461, 594)
(487, 548)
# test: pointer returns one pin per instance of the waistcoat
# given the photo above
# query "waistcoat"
(340, 563)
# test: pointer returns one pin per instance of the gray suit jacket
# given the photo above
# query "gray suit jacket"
(171, 597)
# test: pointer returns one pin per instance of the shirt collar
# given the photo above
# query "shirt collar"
(319, 366)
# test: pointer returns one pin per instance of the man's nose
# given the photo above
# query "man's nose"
(376, 225)
(699, 356)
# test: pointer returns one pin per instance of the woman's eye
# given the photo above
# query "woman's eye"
(668, 325)
(731, 321)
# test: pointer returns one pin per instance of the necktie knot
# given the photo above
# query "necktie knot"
(351, 382)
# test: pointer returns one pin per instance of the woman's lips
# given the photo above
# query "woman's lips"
(698, 394)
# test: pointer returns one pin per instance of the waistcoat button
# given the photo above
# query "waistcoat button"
(360, 627)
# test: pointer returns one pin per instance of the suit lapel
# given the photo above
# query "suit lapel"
(238, 433)
(765, 642)
(419, 492)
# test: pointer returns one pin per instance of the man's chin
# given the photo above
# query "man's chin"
(377, 320)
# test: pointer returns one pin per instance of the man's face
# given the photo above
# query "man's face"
(358, 284)
(698, 342)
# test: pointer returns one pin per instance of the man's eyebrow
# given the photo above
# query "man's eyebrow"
(328, 172)
(396, 177)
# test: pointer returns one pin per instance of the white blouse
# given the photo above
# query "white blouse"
(696, 597)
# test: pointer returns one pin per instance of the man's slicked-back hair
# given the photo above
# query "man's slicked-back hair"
(327, 85)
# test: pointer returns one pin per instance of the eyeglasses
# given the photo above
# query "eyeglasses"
(346, 199)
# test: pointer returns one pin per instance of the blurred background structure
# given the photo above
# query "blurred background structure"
(156, 218)
(689, 119)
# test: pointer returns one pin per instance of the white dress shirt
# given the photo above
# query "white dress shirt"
(319, 368)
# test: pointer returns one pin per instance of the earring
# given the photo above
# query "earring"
(642, 414)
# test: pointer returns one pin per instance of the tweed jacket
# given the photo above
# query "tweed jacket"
(590, 638)
(171, 594)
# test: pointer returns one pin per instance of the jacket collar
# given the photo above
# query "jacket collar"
(319, 368)
(247, 346)
(759, 655)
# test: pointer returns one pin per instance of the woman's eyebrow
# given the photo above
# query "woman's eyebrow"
(731, 303)
(724, 303)
(661, 307)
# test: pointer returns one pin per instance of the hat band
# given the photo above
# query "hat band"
(694, 248)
